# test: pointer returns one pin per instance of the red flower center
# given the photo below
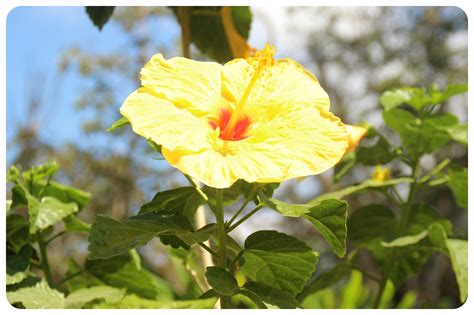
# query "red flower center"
(238, 132)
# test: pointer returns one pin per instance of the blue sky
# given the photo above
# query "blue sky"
(36, 39)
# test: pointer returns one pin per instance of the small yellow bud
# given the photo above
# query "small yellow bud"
(381, 174)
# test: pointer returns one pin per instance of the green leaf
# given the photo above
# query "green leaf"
(458, 184)
(222, 281)
(79, 298)
(19, 199)
(406, 240)
(36, 173)
(269, 295)
(76, 278)
(420, 136)
(325, 280)
(364, 186)
(379, 153)
(370, 223)
(121, 122)
(207, 20)
(154, 145)
(109, 237)
(287, 209)
(74, 224)
(52, 211)
(458, 133)
(418, 98)
(66, 194)
(17, 232)
(135, 302)
(40, 296)
(458, 253)
(125, 272)
(330, 217)
(394, 98)
(169, 201)
(278, 260)
(100, 15)
(18, 265)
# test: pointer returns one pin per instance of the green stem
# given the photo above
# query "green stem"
(44, 259)
(248, 215)
(222, 238)
(234, 217)
(209, 250)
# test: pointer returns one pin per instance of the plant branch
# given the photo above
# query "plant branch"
(242, 207)
(44, 259)
(209, 250)
(184, 17)
(222, 237)
(248, 215)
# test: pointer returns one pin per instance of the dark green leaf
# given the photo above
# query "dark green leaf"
(121, 122)
(270, 295)
(379, 153)
(18, 265)
(371, 222)
(169, 201)
(207, 20)
(325, 280)
(123, 272)
(100, 15)
(109, 237)
(17, 232)
(278, 260)
(221, 281)
(330, 217)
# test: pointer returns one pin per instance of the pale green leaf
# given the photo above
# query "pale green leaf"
(406, 240)
(78, 298)
(40, 296)
(52, 211)
(458, 178)
(458, 254)
(121, 122)
(135, 302)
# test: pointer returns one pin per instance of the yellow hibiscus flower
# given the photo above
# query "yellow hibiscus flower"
(256, 119)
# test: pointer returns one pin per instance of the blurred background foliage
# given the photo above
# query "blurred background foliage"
(356, 53)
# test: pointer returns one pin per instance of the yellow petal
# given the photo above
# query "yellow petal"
(355, 135)
(298, 141)
(159, 119)
(189, 84)
(285, 81)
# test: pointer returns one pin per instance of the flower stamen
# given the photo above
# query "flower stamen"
(261, 60)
